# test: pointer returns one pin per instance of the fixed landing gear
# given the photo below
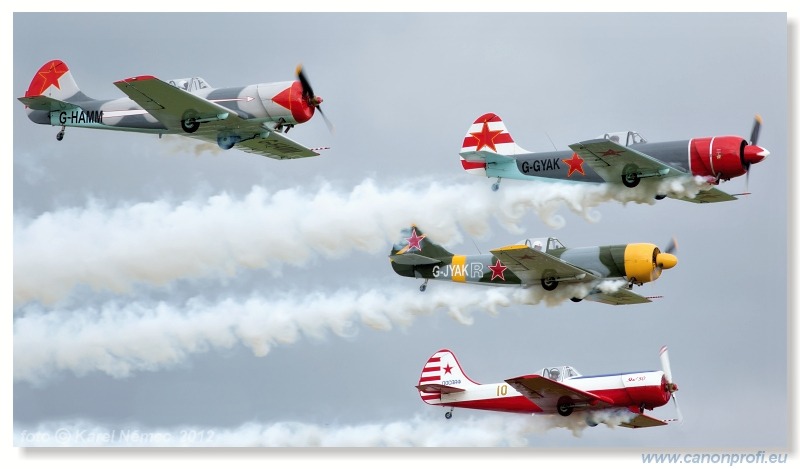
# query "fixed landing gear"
(565, 406)
(549, 281)
(449, 414)
(424, 286)
(60, 134)
(630, 176)
(496, 185)
(190, 125)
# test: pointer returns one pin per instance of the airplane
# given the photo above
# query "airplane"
(252, 118)
(553, 390)
(617, 157)
(607, 273)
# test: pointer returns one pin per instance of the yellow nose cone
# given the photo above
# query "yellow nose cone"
(666, 261)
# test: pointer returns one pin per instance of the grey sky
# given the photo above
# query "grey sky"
(402, 89)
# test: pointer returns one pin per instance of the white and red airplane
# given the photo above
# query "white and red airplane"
(613, 158)
(557, 389)
(252, 118)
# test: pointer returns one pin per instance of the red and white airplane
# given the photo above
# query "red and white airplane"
(613, 158)
(252, 118)
(557, 389)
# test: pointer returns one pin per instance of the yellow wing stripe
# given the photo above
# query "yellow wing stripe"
(459, 271)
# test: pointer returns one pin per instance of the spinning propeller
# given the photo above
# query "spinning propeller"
(671, 387)
(666, 259)
(309, 96)
(752, 153)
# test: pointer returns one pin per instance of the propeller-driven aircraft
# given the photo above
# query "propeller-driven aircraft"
(539, 261)
(252, 118)
(618, 157)
(554, 389)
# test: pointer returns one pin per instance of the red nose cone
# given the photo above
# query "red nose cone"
(754, 154)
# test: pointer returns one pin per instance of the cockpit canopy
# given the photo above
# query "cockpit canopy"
(542, 244)
(624, 138)
(559, 373)
(189, 84)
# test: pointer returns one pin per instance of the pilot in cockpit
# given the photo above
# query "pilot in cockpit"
(555, 374)
(537, 245)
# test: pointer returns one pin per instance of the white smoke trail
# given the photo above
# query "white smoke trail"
(489, 431)
(155, 243)
(120, 339)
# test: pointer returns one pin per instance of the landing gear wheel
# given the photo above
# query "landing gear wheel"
(495, 187)
(448, 415)
(549, 281)
(576, 300)
(60, 136)
(424, 286)
(660, 197)
(190, 125)
(630, 176)
(564, 406)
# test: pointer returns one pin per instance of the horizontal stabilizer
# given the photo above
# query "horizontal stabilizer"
(413, 259)
(44, 103)
(623, 296)
(438, 388)
(643, 421)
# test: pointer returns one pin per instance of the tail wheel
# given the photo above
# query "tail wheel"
(448, 415)
(565, 406)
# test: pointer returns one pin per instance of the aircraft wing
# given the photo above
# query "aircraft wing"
(275, 145)
(709, 196)
(609, 159)
(168, 104)
(643, 421)
(411, 258)
(623, 296)
(530, 265)
(545, 392)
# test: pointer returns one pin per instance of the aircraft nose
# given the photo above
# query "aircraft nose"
(754, 154)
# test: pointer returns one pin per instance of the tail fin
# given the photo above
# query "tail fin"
(54, 80)
(415, 247)
(486, 137)
(442, 374)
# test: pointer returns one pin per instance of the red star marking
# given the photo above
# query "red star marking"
(497, 270)
(611, 152)
(486, 137)
(447, 369)
(414, 240)
(50, 76)
(575, 165)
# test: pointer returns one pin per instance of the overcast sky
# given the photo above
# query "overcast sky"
(169, 286)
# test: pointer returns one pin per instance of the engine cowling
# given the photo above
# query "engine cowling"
(284, 101)
(644, 262)
(722, 158)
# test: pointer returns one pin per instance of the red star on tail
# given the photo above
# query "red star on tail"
(414, 241)
(47, 77)
(486, 137)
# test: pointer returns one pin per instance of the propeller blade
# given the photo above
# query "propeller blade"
(312, 99)
(331, 129)
(664, 354)
(756, 129)
(672, 247)
(677, 410)
(308, 92)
